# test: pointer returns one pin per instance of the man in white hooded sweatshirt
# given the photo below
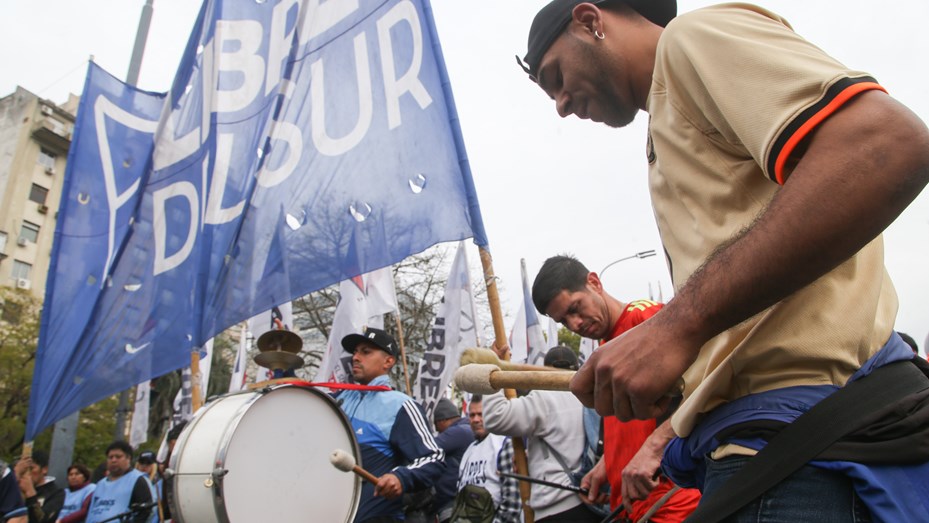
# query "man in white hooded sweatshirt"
(552, 422)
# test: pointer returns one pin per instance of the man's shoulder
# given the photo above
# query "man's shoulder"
(717, 21)
(720, 13)
(460, 433)
(393, 399)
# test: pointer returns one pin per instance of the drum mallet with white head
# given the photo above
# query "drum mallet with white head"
(481, 378)
(346, 463)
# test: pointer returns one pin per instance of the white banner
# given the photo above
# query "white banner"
(588, 346)
(454, 329)
(138, 433)
(363, 301)
(552, 333)
(381, 296)
(239, 375)
(527, 342)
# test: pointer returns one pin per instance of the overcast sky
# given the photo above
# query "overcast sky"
(546, 185)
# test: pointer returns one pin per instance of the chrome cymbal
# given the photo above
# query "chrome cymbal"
(280, 340)
(278, 360)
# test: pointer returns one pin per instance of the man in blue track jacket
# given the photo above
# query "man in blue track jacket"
(396, 442)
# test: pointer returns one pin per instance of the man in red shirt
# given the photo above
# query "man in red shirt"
(568, 293)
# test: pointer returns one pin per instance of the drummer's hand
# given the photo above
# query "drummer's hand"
(630, 376)
(388, 486)
(595, 481)
(640, 477)
(503, 352)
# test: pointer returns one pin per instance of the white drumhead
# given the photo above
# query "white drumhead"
(278, 461)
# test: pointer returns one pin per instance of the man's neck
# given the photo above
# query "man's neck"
(615, 308)
(372, 380)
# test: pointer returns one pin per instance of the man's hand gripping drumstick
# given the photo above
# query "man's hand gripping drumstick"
(387, 485)
(635, 376)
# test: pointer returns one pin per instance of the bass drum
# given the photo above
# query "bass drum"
(264, 456)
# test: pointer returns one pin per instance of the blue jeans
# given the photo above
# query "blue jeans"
(808, 495)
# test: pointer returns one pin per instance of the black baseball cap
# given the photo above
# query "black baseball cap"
(561, 357)
(552, 19)
(147, 457)
(376, 337)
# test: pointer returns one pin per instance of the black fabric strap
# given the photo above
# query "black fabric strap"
(809, 435)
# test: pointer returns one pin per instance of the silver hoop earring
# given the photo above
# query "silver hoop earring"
(599, 35)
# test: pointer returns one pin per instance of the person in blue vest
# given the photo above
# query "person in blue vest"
(77, 496)
(396, 442)
(123, 490)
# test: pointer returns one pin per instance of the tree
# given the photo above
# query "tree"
(19, 335)
(420, 283)
(569, 339)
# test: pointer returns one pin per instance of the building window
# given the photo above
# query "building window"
(29, 232)
(2, 242)
(47, 158)
(38, 194)
(21, 270)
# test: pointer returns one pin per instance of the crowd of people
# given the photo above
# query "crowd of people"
(459, 468)
(466, 465)
(122, 489)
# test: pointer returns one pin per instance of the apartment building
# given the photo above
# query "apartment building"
(35, 135)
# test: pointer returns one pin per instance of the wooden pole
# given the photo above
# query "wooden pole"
(406, 373)
(521, 464)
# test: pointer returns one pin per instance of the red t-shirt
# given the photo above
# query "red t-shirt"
(621, 440)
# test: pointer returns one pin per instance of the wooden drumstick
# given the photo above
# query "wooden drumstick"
(488, 379)
(487, 356)
(485, 378)
(346, 463)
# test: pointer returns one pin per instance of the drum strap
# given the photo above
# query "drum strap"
(811, 433)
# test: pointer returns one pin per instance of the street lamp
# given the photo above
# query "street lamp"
(643, 254)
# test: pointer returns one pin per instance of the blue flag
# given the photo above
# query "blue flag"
(301, 144)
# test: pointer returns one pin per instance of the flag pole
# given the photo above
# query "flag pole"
(406, 373)
(519, 449)
(195, 397)
(132, 78)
